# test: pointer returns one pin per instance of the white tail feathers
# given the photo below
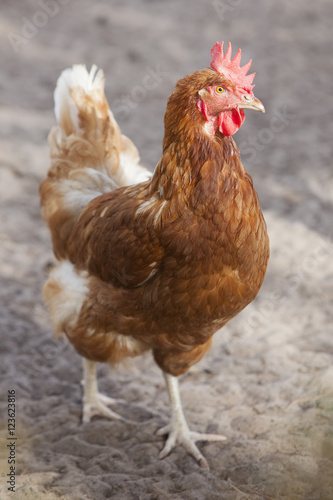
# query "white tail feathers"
(71, 79)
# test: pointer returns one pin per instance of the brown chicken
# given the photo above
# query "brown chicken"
(156, 261)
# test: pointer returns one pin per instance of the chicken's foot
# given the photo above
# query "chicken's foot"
(178, 430)
(95, 403)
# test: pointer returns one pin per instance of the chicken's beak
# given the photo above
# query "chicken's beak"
(253, 103)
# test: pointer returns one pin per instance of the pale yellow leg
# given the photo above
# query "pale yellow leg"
(95, 403)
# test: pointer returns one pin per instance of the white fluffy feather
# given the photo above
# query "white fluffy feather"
(64, 294)
(71, 78)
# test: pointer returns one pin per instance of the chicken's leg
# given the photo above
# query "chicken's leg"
(95, 403)
(178, 430)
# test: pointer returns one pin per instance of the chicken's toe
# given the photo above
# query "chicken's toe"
(164, 430)
(110, 401)
(201, 436)
(98, 407)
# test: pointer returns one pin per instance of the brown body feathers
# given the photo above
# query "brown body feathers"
(162, 264)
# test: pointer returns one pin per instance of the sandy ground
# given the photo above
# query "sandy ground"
(268, 382)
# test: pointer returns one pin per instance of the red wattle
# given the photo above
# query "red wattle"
(231, 121)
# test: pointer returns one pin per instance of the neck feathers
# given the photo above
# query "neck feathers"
(195, 167)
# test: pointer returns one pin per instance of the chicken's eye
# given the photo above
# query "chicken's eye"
(219, 89)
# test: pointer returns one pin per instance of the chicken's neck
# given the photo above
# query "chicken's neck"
(196, 168)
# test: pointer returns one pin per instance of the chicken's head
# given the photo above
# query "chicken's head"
(223, 103)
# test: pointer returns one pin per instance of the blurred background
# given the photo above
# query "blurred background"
(268, 381)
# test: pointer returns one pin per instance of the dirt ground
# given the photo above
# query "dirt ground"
(268, 381)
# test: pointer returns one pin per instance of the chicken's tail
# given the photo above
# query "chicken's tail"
(89, 155)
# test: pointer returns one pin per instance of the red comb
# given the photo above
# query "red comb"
(231, 68)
